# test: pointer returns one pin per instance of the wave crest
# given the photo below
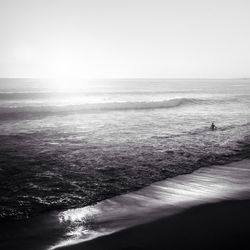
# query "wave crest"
(96, 107)
(32, 110)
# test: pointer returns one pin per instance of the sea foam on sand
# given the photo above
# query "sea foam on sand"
(161, 199)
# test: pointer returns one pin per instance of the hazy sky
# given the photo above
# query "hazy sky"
(129, 38)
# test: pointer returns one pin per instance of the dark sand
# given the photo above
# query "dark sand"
(184, 224)
(222, 225)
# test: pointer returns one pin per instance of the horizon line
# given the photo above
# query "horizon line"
(132, 78)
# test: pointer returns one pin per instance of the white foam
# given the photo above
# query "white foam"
(157, 200)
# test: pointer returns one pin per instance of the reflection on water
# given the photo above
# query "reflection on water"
(157, 200)
(67, 150)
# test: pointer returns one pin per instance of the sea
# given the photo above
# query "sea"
(65, 148)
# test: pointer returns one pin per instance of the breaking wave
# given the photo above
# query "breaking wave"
(29, 111)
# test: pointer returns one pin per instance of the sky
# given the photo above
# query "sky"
(125, 38)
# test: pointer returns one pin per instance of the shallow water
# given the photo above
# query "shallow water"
(160, 199)
(65, 150)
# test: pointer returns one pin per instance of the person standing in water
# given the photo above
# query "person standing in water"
(213, 127)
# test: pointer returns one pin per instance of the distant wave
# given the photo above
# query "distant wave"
(15, 112)
(43, 95)
(28, 111)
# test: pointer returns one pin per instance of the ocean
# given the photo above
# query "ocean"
(70, 148)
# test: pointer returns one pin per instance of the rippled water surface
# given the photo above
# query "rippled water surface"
(62, 150)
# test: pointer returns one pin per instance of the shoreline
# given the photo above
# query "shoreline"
(86, 227)
(158, 200)
(220, 225)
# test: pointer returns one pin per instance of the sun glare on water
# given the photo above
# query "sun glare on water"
(69, 85)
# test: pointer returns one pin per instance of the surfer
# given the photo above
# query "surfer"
(213, 127)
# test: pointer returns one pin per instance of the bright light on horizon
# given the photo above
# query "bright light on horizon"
(67, 84)
(120, 39)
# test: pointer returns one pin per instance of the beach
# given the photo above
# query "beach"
(222, 225)
(81, 167)
(209, 207)
(124, 125)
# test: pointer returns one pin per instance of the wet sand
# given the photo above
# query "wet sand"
(209, 208)
(222, 225)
